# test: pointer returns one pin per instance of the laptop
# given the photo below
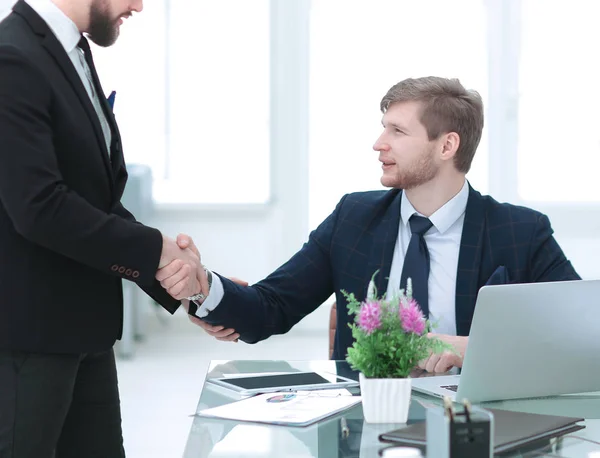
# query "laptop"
(528, 340)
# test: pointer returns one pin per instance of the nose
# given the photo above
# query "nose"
(138, 6)
(380, 145)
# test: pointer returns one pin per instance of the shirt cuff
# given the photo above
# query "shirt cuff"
(212, 301)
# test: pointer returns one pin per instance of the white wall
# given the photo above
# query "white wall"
(5, 6)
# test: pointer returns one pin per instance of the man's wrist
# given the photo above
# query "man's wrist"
(200, 297)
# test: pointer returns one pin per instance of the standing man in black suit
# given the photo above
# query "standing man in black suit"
(66, 242)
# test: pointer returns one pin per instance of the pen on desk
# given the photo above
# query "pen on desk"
(449, 408)
(344, 427)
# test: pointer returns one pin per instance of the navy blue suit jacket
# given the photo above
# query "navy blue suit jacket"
(500, 243)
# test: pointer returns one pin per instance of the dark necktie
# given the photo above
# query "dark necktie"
(90, 72)
(416, 262)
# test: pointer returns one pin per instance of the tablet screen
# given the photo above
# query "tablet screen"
(273, 381)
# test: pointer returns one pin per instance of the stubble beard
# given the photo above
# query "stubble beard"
(419, 173)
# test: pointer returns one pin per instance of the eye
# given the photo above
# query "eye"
(398, 131)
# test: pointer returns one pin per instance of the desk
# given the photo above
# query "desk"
(223, 438)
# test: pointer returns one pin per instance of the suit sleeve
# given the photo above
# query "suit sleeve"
(155, 290)
(274, 305)
(37, 200)
(547, 260)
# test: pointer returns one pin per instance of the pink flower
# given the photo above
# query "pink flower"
(412, 318)
(369, 316)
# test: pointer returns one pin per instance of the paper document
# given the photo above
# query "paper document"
(299, 408)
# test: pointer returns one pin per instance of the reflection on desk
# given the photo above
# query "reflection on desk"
(327, 438)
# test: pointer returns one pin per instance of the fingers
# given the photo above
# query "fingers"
(438, 362)
(238, 281)
(179, 279)
(185, 241)
(168, 279)
(169, 270)
(182, 283)
(233, 337)
(171, 252)
(184, 276)
(423, 363)
(218, 332)
(185, 288)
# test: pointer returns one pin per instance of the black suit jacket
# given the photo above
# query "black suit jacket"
(500, 243)
(66, 241)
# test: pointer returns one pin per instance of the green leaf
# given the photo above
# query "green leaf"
(388, 351)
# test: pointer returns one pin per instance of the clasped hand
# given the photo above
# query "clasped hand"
(180, 270)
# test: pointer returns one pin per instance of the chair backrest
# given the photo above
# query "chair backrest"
(332, 326)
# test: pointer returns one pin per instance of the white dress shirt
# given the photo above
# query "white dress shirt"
(69, 35)
(65, 31)
(443, 243)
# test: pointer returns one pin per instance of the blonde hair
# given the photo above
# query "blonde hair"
(446, 107)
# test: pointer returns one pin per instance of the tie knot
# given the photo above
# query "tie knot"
(419, 224)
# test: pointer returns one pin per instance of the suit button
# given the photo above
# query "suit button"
(114, 267)
(121, 269)
(128, 272)
(135, 274)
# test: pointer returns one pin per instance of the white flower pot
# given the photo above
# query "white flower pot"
(385, 400)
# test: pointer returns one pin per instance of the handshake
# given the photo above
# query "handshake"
(182, 275)
(180, 271)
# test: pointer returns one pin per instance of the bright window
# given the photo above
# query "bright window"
(358, 51)
(558, 142)
(192, 81)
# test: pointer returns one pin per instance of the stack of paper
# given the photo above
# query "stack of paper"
(299, 408)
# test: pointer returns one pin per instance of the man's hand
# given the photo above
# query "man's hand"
(445, 361)
(218, 332)
(180, 271)
(185, 241)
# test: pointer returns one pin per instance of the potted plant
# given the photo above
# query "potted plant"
(390, 338)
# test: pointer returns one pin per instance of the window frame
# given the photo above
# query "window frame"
(288, 131)
(504, 42)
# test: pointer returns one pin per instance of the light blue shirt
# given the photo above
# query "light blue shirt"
(443, 243)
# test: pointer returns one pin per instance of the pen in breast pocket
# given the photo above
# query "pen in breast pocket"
(111, 99)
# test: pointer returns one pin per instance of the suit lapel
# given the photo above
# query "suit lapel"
(469, 261)
(384, 241)
(58, 53)
(108, 114)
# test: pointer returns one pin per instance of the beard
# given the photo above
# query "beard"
(422, 171)
(103, 29)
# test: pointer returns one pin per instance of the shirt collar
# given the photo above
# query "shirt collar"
(61, 25)
(445, 216)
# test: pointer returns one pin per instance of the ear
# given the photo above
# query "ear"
(450, 144)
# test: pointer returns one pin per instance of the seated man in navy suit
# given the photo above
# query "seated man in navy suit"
(431, 226)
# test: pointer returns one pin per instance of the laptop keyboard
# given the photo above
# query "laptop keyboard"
(450, 387)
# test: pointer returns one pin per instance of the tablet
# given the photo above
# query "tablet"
(293, 381)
